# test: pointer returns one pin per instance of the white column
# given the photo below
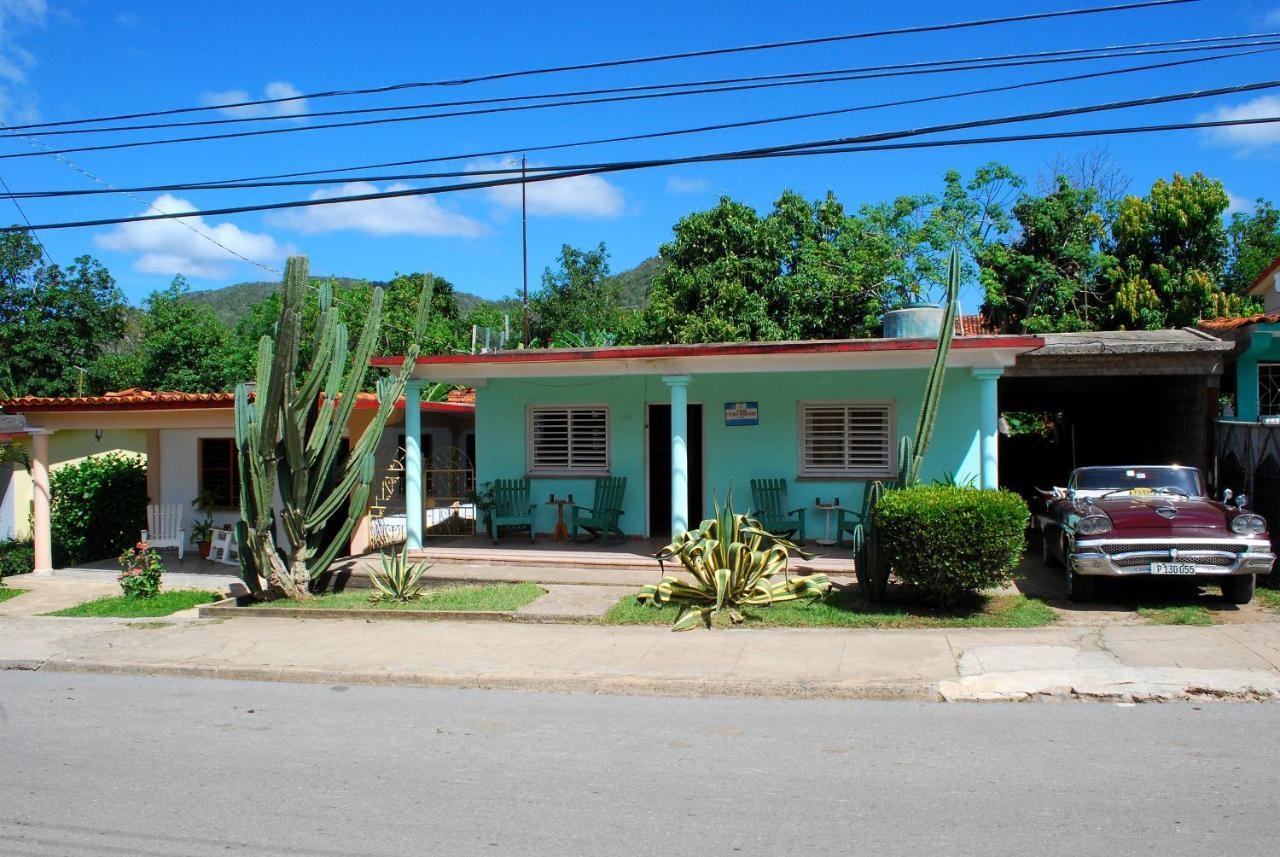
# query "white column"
(413, 464)
(679, 385)
(989, 423)
(41, 535)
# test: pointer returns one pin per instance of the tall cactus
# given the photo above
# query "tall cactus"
(289, 432)
(873, 576)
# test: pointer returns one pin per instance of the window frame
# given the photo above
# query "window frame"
(807, 472)
(233, 483)
(531, 468)
(1272, 408)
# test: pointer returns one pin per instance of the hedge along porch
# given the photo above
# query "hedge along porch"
(826, 416)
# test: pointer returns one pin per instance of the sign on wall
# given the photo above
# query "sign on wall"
(741, 413)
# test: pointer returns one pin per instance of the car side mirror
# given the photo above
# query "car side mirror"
(1227, 494)
(1241, 500)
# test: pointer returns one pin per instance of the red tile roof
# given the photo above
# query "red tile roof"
(132, 399)
(975, 325)
(1234, 323)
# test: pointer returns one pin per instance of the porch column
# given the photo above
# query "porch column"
(989, 423)
(41, 534)
(679, 385)
(153, 466)
(413, 464)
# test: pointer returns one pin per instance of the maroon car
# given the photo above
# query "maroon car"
(1152, 521)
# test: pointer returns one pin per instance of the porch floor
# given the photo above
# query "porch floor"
(631, 555)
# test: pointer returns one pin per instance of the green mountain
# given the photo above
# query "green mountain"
(231, 303)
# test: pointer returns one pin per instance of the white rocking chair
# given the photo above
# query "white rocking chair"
(164, 528)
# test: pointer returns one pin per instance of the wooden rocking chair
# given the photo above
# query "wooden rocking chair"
(769, 506)
(511, 507)
(164, 528)
(601, 519)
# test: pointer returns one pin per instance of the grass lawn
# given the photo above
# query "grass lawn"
(498, 597)
(1177, 614)
(125, 607)
(848, 609)
(1268, 597)
(7, 592)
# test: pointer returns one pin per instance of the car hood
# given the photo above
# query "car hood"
(1141, 513)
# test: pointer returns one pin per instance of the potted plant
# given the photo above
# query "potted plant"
(202, 530)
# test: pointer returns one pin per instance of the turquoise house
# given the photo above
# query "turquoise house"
(685, 424)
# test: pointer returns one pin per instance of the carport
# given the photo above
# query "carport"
(1116, 397)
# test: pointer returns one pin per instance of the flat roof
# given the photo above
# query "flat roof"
(719, 357)
(1182, 340)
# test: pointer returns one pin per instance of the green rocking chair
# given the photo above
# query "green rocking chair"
(769, 506)
(601, 519)
(511, 507)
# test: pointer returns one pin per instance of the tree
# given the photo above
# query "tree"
(55, 323)
(182, 346)
(577, 298)
(1042, 280)
(1253, 243)
(1168, 251)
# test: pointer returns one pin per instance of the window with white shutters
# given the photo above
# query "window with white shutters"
(569, 440)
(846, 439)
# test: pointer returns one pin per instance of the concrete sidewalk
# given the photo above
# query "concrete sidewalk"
(1117, 663)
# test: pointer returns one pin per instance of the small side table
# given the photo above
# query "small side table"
(827, 508)
(561, 533)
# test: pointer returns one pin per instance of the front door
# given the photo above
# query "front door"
(660, 468)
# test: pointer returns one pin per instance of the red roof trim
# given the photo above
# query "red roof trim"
(1271, 269)
(97, 403)
(437, 407)
(717, 349)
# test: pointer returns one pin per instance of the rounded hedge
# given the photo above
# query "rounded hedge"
(17, 556)
(97, 508)
(949, 541)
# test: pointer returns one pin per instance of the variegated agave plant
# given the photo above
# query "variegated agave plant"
(734, 562)
(398, 580)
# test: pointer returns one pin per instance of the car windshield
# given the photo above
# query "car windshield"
(1101, 480)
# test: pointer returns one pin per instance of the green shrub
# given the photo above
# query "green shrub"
(17, 556)
(950, 541)
(98, 507)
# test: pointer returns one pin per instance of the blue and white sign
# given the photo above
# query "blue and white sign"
(742, 413)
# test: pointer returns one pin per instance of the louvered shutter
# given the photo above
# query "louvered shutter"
(846, 439)
(569, 440)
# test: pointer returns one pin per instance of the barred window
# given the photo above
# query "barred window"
(564, 440)
(219, 473)
(1268, 389)
(846, 439)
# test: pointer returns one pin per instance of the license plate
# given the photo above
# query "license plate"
(1173, 568)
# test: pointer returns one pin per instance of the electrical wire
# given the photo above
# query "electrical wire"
(27, 220)
(811, 147)
(251, 183)
(795, 79)
(507, 75)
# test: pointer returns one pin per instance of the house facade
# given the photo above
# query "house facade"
(687, 424)
(188, 443)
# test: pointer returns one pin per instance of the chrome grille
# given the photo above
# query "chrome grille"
(1189, 547)
(1197, 559)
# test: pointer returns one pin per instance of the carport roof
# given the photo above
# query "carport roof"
(1178, 351)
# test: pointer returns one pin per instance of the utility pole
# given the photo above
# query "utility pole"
(524, 243)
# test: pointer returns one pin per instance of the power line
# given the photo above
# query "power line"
(810, 147)
(251, 183)
(507, 75)
(27, 221)
(795, 79)
(493, 110)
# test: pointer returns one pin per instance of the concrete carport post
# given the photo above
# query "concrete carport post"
(41, 534)
(413, 465)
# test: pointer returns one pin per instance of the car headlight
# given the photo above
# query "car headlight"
(1093, 525)
(1248, 525)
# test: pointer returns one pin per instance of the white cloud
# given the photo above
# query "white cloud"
(17, 102)
(1238, 203)
(679, 184)
(297, 106)
(128, 20)
(1246, 137)
(579, 196)
(1273, 17)
(167, 247)
(403, 215)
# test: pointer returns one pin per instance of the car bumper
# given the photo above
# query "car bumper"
(1091, 558)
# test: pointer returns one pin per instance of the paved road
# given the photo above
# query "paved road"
(103, 765)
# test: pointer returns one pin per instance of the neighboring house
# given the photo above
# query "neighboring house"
(827, 416)
(12, 428)
(188, 441)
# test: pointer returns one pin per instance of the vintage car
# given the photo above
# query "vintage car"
(1157, 521)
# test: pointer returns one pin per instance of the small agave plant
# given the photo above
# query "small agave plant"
(397, 580)
(734, 562)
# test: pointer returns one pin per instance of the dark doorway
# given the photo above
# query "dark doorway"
(660, 468)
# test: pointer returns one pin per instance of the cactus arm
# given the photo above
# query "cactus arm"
(937, 373)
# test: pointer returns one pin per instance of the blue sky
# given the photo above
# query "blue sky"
(89, 57)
